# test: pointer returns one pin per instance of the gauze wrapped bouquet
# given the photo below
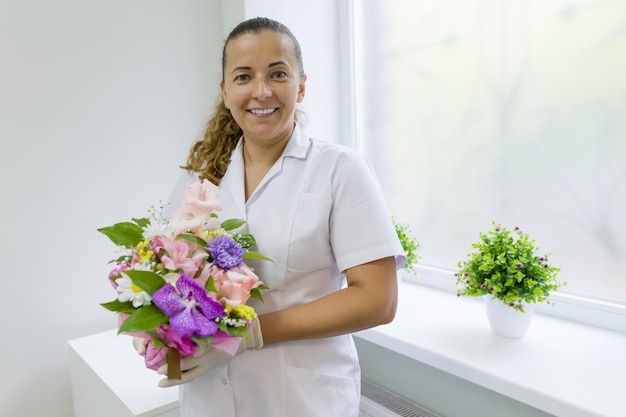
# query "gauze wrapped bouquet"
(181, 282)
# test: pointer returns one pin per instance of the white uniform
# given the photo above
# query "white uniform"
(318, 211)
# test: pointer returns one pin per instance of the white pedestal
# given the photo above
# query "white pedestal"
(109, 379)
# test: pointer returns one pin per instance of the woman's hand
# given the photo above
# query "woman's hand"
(195, 366)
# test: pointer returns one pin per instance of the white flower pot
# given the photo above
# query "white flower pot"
(506, 321)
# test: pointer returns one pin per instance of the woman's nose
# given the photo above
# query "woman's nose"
(261, 89)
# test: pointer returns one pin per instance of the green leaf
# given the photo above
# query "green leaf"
(256, 293)
(119, 307)
(121, 258)
(192, 238)
(143, 319)
(256, 255)
(246, 240)
(233, 331)
(146, 280)
(203, 343)
(210, 285)
(232, 224)
(125, 234)
(143, 222)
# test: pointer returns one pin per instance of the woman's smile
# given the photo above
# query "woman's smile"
(263, 112)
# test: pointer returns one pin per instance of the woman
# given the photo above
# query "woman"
(314, 208)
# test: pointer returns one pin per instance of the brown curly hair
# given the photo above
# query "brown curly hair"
(210, 156)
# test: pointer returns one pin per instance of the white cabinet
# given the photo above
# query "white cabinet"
(109, 379)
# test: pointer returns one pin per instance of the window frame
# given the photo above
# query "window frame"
(588, 310)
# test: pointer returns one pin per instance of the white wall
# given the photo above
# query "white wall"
(99, 102)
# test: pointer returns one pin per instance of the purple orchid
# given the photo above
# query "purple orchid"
(226, 252)
(192, 312)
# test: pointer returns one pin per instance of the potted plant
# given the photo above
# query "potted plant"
(506, 267)
(410, 245)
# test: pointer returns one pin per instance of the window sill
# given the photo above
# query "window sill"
(561, 367)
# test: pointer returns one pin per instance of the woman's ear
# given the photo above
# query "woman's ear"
(224, 96)
(301, 89)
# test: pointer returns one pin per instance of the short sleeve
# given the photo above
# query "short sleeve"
(361, 225)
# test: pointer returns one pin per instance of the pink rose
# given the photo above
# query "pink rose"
(234, 284)
(201, 199)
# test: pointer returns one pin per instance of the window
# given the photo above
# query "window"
(504, 111)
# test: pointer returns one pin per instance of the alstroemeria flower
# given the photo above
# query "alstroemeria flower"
(226, 252)
(130, 292)
(178, 251)
(192, 312)
(201, 199)
(234, 284)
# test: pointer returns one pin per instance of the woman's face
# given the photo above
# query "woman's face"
(262, 85)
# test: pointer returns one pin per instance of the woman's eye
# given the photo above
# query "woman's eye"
(242, 78)
(279, 74)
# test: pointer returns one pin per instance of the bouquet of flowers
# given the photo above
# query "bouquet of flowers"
(181, 281)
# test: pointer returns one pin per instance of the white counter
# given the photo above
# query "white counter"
(109, 379)
(560, 367)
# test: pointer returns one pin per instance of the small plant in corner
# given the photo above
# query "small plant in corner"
(505, 264)
(410, 245)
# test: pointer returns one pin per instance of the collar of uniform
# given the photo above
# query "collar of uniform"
(298, 144)
(233, 180)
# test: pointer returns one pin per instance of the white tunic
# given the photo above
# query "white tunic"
(318, 211)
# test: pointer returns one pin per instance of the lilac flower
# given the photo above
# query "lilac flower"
(226, 252)
(192, 312)
(518, 265)
(483, 286)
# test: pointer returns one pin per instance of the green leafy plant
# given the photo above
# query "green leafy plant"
(410, 245)
(505, 265)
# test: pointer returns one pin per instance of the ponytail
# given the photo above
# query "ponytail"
(210, 156)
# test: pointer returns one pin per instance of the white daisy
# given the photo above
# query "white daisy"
(158, 228)
(131, 292)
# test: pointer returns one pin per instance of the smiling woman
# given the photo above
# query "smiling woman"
(305, 201)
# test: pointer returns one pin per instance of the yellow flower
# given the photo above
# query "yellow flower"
(241, 311)
(212, 233)
(144, 251)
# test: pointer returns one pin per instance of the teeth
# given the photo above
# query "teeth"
(262, 111)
